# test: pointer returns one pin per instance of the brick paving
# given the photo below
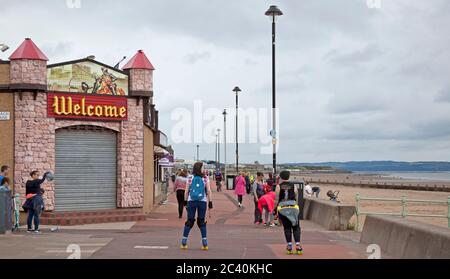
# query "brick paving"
(231, 235)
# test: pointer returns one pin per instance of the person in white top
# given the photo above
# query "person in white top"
(310, 191)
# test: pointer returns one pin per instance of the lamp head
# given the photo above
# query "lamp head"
(237, 89)
(3, 47)
(273, 11)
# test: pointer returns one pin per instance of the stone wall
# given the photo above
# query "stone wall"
(34, 142)
(131, 158)
(141, 80)
(35, 147)
(28, 71)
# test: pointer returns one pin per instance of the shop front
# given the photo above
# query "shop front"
(87, 122)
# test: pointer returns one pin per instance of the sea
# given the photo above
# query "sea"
(419, 175)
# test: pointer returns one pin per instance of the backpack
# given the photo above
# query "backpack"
(197, 189)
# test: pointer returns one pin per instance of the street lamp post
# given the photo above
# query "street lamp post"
(237, 90)
(218, 149)
(198, 158)
(225, 141)
(273, 12)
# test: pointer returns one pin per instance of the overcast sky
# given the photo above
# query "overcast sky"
(353, 82)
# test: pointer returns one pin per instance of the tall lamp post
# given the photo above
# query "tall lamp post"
(198, 158)
(237, 90)
(225, 141)
(218, 150)
(273, 12)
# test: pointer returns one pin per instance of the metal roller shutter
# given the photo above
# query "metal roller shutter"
(85, 175)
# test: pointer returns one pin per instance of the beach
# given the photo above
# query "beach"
(347, 194)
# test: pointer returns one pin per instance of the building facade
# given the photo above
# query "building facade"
(91, 124)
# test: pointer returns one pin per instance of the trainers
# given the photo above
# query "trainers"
(184, 243)
(37, 231)
(257, 223)
(30, 231)
(204, 244)
(271, 225)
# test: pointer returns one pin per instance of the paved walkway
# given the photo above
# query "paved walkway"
(231, 235)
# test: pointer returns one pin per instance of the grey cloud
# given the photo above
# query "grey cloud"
(342, 58)
(352, 82)
(195, 57)
(443, 95)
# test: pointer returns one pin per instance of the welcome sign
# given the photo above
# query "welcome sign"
(87, 107)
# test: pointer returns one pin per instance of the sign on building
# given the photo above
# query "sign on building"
(87, 107)
(5, 115)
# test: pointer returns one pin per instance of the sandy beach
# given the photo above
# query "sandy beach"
(348, 195)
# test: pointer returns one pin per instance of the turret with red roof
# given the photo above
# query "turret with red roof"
(28, 69)
(140, 70)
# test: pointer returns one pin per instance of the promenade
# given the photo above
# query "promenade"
(231, 234)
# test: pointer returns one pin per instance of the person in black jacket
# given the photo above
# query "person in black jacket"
(33, 194)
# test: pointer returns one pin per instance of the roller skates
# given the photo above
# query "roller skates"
(298, 249)
(204, 244)
(184, 244)
(289, 250)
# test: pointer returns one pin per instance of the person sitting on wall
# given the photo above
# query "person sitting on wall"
(310, 191)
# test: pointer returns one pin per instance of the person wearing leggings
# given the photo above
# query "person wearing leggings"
(180, 189)
(285, 192)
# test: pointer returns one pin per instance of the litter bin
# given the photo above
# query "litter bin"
(231, 182)
(5, 210)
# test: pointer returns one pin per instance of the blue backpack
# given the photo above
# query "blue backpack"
(197, 189)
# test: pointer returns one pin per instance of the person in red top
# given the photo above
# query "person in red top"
(267, 203)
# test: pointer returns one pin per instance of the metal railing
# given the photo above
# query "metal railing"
(404, 213)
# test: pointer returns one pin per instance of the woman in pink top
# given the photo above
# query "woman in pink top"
(240, 188)
(180, 188)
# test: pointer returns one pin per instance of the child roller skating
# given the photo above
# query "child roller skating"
(198, 197)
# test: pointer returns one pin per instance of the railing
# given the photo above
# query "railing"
(403, 185)
(404, 201)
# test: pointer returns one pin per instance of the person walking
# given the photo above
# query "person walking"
(180, 190)
(248, 185)
(197, 197)
(288, 211)
(218, 177)
(240, 190)
(34, 200)
(258, 192)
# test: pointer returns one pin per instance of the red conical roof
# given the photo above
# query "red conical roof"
(28, 50)
(139, 61)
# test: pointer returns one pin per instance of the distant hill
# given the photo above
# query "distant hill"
(380, 166)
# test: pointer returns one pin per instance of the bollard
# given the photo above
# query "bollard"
(403, 206)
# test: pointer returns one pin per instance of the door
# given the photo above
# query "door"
(86, 169)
